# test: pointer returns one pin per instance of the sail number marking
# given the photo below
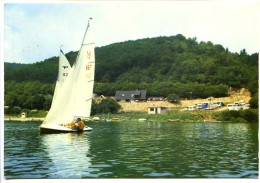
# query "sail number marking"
(65, 67)
(88, 54)
(88, 67)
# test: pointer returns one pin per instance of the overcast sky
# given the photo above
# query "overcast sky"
(34, 32)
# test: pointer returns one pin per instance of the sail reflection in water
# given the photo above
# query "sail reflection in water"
(68, 154)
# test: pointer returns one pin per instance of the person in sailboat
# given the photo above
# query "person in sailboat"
(79, 124)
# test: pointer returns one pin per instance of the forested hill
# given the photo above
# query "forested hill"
(162, 66)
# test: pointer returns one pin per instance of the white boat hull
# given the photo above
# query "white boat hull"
(60, 129)
(142, 119)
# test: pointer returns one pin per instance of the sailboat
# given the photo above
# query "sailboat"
(73, 92)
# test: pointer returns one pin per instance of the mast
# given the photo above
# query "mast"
(59, 64)
(83, 39)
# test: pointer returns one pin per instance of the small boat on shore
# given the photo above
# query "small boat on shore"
(96, 118)
(142, 119)
(174, 120)
(211, 121)
(105, 120)
(115, 119)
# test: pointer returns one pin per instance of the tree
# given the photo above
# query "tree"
(107, 105)
(16, 110)
(254, 101)
(93, 108)
(174, 98)
(11, 99)
(243, 52)
(38, 102)
(47, 103)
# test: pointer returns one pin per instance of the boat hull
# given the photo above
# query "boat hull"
(55, 129)
(212, 121)
(174, 120)
(142, 120)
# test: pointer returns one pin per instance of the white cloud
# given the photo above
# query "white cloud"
(34, 38)
(35, 33)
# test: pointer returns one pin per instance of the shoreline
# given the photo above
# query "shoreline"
(173, 117)
(24, 119)
(120, 120)
(114, 118)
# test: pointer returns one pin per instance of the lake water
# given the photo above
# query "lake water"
(133, 150)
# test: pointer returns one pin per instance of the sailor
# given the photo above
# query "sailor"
(77, 120)
(79, 124)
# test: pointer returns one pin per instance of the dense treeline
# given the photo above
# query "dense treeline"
(163, 66)
(183, 90)
(27, 95)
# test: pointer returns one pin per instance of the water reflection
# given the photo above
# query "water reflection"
(67, 151)
(177, 150)
(23, 154)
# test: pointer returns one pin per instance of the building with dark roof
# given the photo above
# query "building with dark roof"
(130, 95)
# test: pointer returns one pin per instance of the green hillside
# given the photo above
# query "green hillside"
(162, 66)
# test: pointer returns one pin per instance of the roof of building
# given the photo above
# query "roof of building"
(131, 95)
(157, 106)
(156, 97)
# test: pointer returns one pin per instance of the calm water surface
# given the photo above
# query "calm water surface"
(133, 150)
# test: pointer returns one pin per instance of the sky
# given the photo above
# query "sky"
(34, 32)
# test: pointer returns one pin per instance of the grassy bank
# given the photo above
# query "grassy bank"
(134, 116)
(30, 114)
(250, 115)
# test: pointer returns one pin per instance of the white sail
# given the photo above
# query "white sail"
(63, 72)
(84, 77)
(73, 97)
(64, 68)
(65, 101)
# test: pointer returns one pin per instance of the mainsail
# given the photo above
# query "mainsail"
(84, 76)
(73, 97)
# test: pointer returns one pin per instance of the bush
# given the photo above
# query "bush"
(174, 98)
(7, 110)
(254, 101)
(16, 110)
(238, 120)
(105, 106)
(226, 115)
(36, 113)
(249, 115)
(93, 108)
